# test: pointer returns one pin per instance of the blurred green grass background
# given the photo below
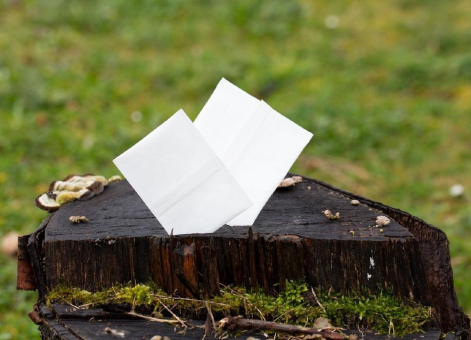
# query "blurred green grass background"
(384, 85)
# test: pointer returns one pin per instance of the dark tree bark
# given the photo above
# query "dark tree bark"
(291, 239)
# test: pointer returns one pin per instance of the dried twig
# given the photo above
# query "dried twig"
(71, 304)
(183, 323)
(210, 314)
(317, 300)
(207, 327)
(237, 322)
(361, 332)
(152, 319)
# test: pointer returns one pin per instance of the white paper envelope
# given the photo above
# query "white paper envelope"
(181, 179)
(257, 144)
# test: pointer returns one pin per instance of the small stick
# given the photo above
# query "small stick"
(173, 314)
(149, 318)
(210, 314)
(238, 322)
(317, 300)
(207, 326)
(362, 334)
(72, 304)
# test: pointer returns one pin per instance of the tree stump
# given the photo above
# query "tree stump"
(291, 239)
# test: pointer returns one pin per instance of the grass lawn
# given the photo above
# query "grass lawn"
(384, 85)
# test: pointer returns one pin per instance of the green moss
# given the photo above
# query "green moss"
(382, 313)
(136, 295)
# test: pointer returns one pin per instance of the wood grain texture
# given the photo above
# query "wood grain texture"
(435, 254)
(36, 254)
(62, 322)
(291, 239)
(25, 273)
(120, 212)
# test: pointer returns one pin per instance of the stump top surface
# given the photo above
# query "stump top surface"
(298, 210)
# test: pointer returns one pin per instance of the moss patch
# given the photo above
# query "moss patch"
(295, 305)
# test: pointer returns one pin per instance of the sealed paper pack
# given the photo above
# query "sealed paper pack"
(181, 179)
(257, 144)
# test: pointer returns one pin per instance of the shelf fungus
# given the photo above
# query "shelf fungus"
(355, 202)
(95, 188)
(331, 216)
(382, 221)
(290, 181)
(47, 201)
(86, 178)
(71, 188)
(76, 183)
(115, 178)
(78, 219)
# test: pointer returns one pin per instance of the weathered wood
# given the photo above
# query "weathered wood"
(52, 328)
(25, 274)
(296, 240)
(291, 239)
(37, 257)
(435, 255)
(62, 322)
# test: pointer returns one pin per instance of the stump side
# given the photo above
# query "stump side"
(291, 239)
(436, 259)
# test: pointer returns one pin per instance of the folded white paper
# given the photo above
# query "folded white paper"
(257, 144)
(181, 179)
